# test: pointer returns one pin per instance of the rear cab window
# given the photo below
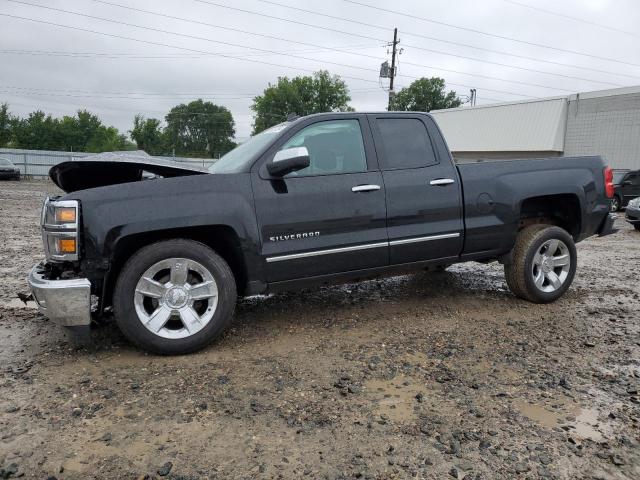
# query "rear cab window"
(405, 143)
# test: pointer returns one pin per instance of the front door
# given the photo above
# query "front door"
(329, 217)
(424, 205)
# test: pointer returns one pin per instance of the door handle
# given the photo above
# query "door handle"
(365, 188)
(442, 181)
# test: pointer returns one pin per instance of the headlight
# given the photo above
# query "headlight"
(635, 203)
(60, 221)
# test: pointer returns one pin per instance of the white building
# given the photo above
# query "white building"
(605, 123)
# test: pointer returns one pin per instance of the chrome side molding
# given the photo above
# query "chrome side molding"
(430, 238)
(365, 246)
(329, 251)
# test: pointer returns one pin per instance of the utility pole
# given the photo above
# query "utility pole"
(393, 66)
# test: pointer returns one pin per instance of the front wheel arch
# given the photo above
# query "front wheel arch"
(206, 264)
(223, 239)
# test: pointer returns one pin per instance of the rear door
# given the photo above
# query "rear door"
(423, 194)
(329, 217)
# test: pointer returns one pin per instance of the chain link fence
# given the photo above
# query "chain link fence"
(36, 163)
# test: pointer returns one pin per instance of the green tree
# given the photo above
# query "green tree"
(108, 139)
(424, 95)
(38, 131)
(148, 135)
(199, 128)
(5, 125)
(83, 132)
(319, 93)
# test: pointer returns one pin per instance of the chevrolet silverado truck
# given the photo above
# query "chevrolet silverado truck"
(322, 199)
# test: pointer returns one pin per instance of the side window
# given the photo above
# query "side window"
(335, 146)
(406, 143)
(634, 178)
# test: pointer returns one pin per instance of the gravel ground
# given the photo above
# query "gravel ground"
(437, 376)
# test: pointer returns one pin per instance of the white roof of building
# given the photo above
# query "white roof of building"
(534, 125)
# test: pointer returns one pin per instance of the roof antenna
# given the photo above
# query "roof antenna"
(292, 116)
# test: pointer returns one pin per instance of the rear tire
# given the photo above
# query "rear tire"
(174, 297)
(615, 203)
(543, 264)
(636, 226)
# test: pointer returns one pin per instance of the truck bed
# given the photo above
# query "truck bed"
(493, 192)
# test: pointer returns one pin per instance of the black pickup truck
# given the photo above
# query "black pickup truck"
(323, 199)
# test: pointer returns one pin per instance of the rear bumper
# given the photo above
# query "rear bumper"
(65, 302)
(607, 225)
(632, 215)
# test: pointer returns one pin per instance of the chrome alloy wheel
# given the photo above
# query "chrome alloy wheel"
(176, 298)
(551, 265)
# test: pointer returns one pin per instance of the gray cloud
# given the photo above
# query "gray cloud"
(150, 86)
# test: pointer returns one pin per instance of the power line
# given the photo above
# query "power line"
(408, 46)
(480, 32)
(210, 40)
(509, 66)
(466, 45)
(136, 56)
(360, 54)
(115, 97)
(575, 19)
(164, 113)
(145, 95)
(185, 35)
(161, 44)
(222, 27)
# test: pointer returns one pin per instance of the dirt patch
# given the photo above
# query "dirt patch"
(423, 376)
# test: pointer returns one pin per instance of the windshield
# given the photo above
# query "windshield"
(237, 159)
(4, 161)
(618, 176)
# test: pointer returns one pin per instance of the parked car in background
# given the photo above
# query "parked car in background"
(627, 187)
(8, 169)
(633, 213)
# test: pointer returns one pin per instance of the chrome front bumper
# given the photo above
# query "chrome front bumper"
(65, 302)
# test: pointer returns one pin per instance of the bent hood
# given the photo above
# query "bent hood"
(111, 168)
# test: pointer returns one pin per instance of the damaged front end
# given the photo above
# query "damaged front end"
(59, 286)
(56, 285)
(111, 168)
(64, 300)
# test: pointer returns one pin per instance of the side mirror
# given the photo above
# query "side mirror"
(289, 160)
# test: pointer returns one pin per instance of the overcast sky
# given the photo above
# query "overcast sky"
(60, 70)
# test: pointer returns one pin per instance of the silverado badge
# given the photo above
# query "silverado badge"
(293, 236)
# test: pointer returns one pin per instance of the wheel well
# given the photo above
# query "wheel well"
(221, 238)
(561, 210)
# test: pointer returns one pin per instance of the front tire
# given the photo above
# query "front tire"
(543, 264)
(174, 297)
